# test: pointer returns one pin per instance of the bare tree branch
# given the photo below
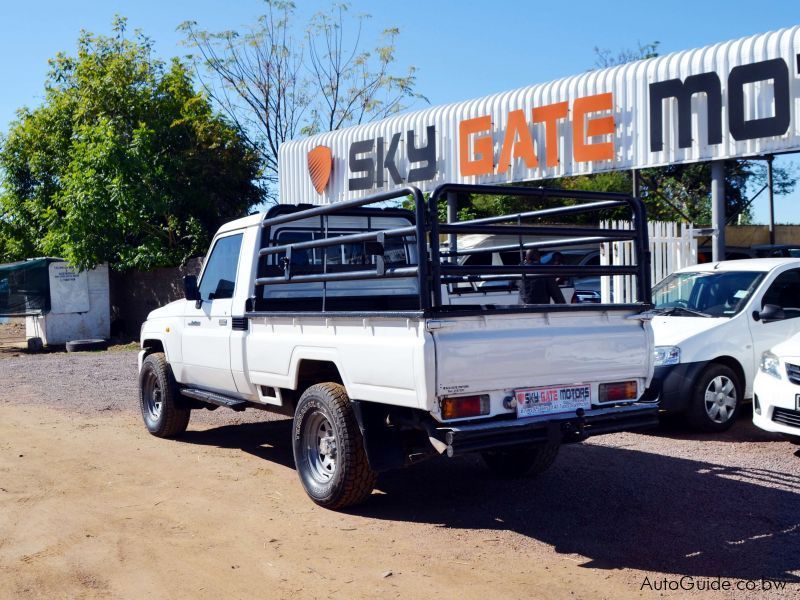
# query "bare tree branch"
(277, 83)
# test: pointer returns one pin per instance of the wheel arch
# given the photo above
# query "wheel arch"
(153, 344)
(311, 371)
(735, 366)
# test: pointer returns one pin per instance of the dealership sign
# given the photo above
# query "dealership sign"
(731, 100)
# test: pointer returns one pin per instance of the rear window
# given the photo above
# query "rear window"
(395, 250)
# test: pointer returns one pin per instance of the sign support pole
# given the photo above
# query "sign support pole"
(770, 158)
(718, 209)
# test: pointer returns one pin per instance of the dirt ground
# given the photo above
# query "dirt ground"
(12, 333)
(91, 506)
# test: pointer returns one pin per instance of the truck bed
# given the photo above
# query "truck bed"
(412, 360)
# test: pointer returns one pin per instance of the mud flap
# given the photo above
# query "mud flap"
(383, 445)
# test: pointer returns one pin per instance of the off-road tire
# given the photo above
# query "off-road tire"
(518, 461)
(171, 417)
(697, 414)
(326, 408)
(86, 345)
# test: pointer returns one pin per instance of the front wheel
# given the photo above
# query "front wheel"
(715, 400)
(162, 410)
(329, 449)
(517, 461)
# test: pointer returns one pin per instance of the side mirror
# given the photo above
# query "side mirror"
(190, 290)
(770, 312)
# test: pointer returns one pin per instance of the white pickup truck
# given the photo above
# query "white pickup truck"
(339, 316)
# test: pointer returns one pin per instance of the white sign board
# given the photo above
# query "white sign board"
(69, 289)
(731, 100)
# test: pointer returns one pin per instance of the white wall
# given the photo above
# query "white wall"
(57, 328)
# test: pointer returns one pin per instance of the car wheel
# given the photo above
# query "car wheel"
(163, 410)
(715, 400)
(329, 450)
(517, 461)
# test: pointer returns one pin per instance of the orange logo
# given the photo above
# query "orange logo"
(320, 165)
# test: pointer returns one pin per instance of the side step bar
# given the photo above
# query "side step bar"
(212, 398)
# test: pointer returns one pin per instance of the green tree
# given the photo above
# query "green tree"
(124, 162)
(278, 82)
(683, 191)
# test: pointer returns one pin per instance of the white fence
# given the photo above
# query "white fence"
(672, 246)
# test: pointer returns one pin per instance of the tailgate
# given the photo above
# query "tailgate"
(524, 350)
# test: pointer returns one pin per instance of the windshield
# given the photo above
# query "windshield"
(714, 294)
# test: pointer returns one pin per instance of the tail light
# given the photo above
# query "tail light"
(465, 406)
(617, 391)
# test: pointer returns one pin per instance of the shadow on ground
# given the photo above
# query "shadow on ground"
(675, 427)
(621, 508)
(268, 440)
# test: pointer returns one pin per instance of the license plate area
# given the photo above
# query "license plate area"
(550, 400)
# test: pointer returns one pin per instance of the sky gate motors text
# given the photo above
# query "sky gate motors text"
(551, 395)
(491, 144)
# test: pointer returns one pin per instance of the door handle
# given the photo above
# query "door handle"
(223, 322)
(193, 323)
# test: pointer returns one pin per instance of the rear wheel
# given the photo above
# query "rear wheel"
(517, 461)
(715, 400)
(163, 411)
(329, 449)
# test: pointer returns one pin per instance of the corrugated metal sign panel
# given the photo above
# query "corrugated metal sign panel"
(734, 99)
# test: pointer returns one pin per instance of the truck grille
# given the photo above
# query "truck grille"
(793, 373)
(786, 416)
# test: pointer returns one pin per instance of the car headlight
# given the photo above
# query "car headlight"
(667, 355)
(770, 364)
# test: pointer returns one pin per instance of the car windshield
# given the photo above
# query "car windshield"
(704, 293)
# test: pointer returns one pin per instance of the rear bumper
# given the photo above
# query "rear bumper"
(564, 428)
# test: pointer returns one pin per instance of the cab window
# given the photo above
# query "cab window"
(219, 277)
(785, 292)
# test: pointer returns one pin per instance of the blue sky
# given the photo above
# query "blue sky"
(461, 49)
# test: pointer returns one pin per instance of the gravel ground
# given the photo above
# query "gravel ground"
(104, 381)
(658, 504)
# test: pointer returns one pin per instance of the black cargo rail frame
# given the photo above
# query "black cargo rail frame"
(431, 272)
(418, 230)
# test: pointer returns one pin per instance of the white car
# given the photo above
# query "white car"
(776, 400)
(712, 323)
